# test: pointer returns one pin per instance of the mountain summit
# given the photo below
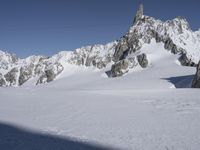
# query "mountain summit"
(139, 13)
(148, 42)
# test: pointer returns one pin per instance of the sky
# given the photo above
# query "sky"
(45, 27)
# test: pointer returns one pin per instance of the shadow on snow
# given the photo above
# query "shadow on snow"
(15, 138)
(181, 81)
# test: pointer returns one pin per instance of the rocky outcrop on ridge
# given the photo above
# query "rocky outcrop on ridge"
(122, 55)
(196, 80)
(175, 34)
(16, 72)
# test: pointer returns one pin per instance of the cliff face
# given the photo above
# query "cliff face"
(175, 34)
(196, 80)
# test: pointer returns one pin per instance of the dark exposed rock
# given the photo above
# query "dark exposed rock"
(142, 60)
(97, 62)
(25, 73)
(185, 61)
(122, 67)
(123, 53)
(120, 49)
(169, 45)
(97, 55)
(196, 80)
(157, 37)
(51, 73)
(127, 45)
(2, 80)
(139, 14)
(119, 68)
(11, 76)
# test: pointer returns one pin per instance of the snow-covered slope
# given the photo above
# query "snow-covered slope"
(141, 110)
(15, 71)
(150, 107)
(175, 34)
(84, 109)
(127, 54)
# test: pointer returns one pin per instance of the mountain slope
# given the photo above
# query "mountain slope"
(87, 106)
(46, 69)
(176, 36)
(119, 57)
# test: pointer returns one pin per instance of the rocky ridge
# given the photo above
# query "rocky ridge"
(123, 54)
(15, 71)
(176, 35)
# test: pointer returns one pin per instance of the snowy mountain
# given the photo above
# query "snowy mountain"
(15, 71)
(128, 54)
(131, 94)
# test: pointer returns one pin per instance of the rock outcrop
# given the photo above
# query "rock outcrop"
(123, 66)
(98, 56)
(50, 73)
(175, 35)
(11, 77)
(120, 68)
(16, 72)
(25, 73)
(139, 14)
(196, 80)
(2, 80)
(123, 55)
(142, 60)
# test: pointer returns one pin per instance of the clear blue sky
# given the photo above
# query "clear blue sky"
(47, 26)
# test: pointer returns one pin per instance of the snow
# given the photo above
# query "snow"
(126, 119)
(145, 109)
(177, 29)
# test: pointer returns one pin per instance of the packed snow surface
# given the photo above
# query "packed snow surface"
(147, 109)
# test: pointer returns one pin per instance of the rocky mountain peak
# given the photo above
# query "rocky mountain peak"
(123, 55)
(139, 13)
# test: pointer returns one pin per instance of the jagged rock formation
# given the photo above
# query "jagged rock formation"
(196, 80)
(122, 55)
(176, 36)
(16, 72)
(122, 67)
(139, 14)
(2, 80)
(50, 73)
(7, 60)
(97, 55)
(11, 77)
(142, 60)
